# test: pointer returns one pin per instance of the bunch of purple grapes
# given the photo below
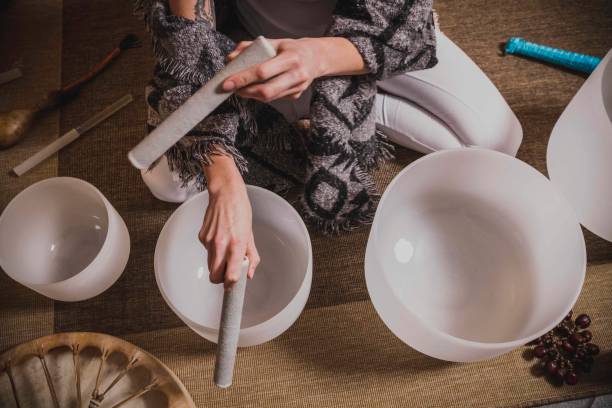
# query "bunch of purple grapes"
(565, 351)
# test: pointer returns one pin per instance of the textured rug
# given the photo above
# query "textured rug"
(338, 353)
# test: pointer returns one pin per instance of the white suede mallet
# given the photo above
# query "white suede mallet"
(229, 330)
(71, 135)
(197, 107)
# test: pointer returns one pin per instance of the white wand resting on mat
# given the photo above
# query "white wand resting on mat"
(197, 107)
(72, 135)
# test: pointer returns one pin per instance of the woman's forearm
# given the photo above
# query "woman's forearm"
(184, 8)
(340, 57)
(189, 9)
(222, 173)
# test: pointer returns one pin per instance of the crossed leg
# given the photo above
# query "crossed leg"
(451, 105)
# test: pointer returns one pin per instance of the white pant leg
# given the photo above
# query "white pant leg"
(165, 185)
(411, 126)
(452, 104)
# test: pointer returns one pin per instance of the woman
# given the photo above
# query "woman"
(331, 54)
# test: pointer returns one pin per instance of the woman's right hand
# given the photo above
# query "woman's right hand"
(227, 230)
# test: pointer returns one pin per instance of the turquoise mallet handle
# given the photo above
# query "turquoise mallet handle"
(567, 59)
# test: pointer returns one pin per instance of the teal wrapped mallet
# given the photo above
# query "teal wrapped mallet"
(563, 58)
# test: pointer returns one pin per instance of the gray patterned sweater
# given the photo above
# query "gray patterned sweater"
(333, 160)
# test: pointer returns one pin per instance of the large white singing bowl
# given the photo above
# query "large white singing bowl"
(579, 155)
(62, 238)
(473, 253)
(276, 295)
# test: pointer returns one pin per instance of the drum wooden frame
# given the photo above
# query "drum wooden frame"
(87, 370)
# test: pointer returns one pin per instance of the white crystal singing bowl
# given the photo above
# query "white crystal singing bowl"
(579, 156)
(62, 238)
(276, 295)
(473, 253)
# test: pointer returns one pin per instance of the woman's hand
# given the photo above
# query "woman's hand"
(296, 65)
(227, 232)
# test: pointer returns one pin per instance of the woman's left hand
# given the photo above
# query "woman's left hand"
(296, 65)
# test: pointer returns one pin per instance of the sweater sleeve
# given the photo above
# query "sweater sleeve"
(188, 54)
(392, 36)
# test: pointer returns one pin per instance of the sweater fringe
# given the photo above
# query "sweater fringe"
(187, 160)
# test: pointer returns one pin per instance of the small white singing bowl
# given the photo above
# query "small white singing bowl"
(473, 253)
(276, 295)
(62, 238)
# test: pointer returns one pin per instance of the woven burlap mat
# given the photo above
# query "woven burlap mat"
(344, 356)
(23, 314)
(338, 353)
